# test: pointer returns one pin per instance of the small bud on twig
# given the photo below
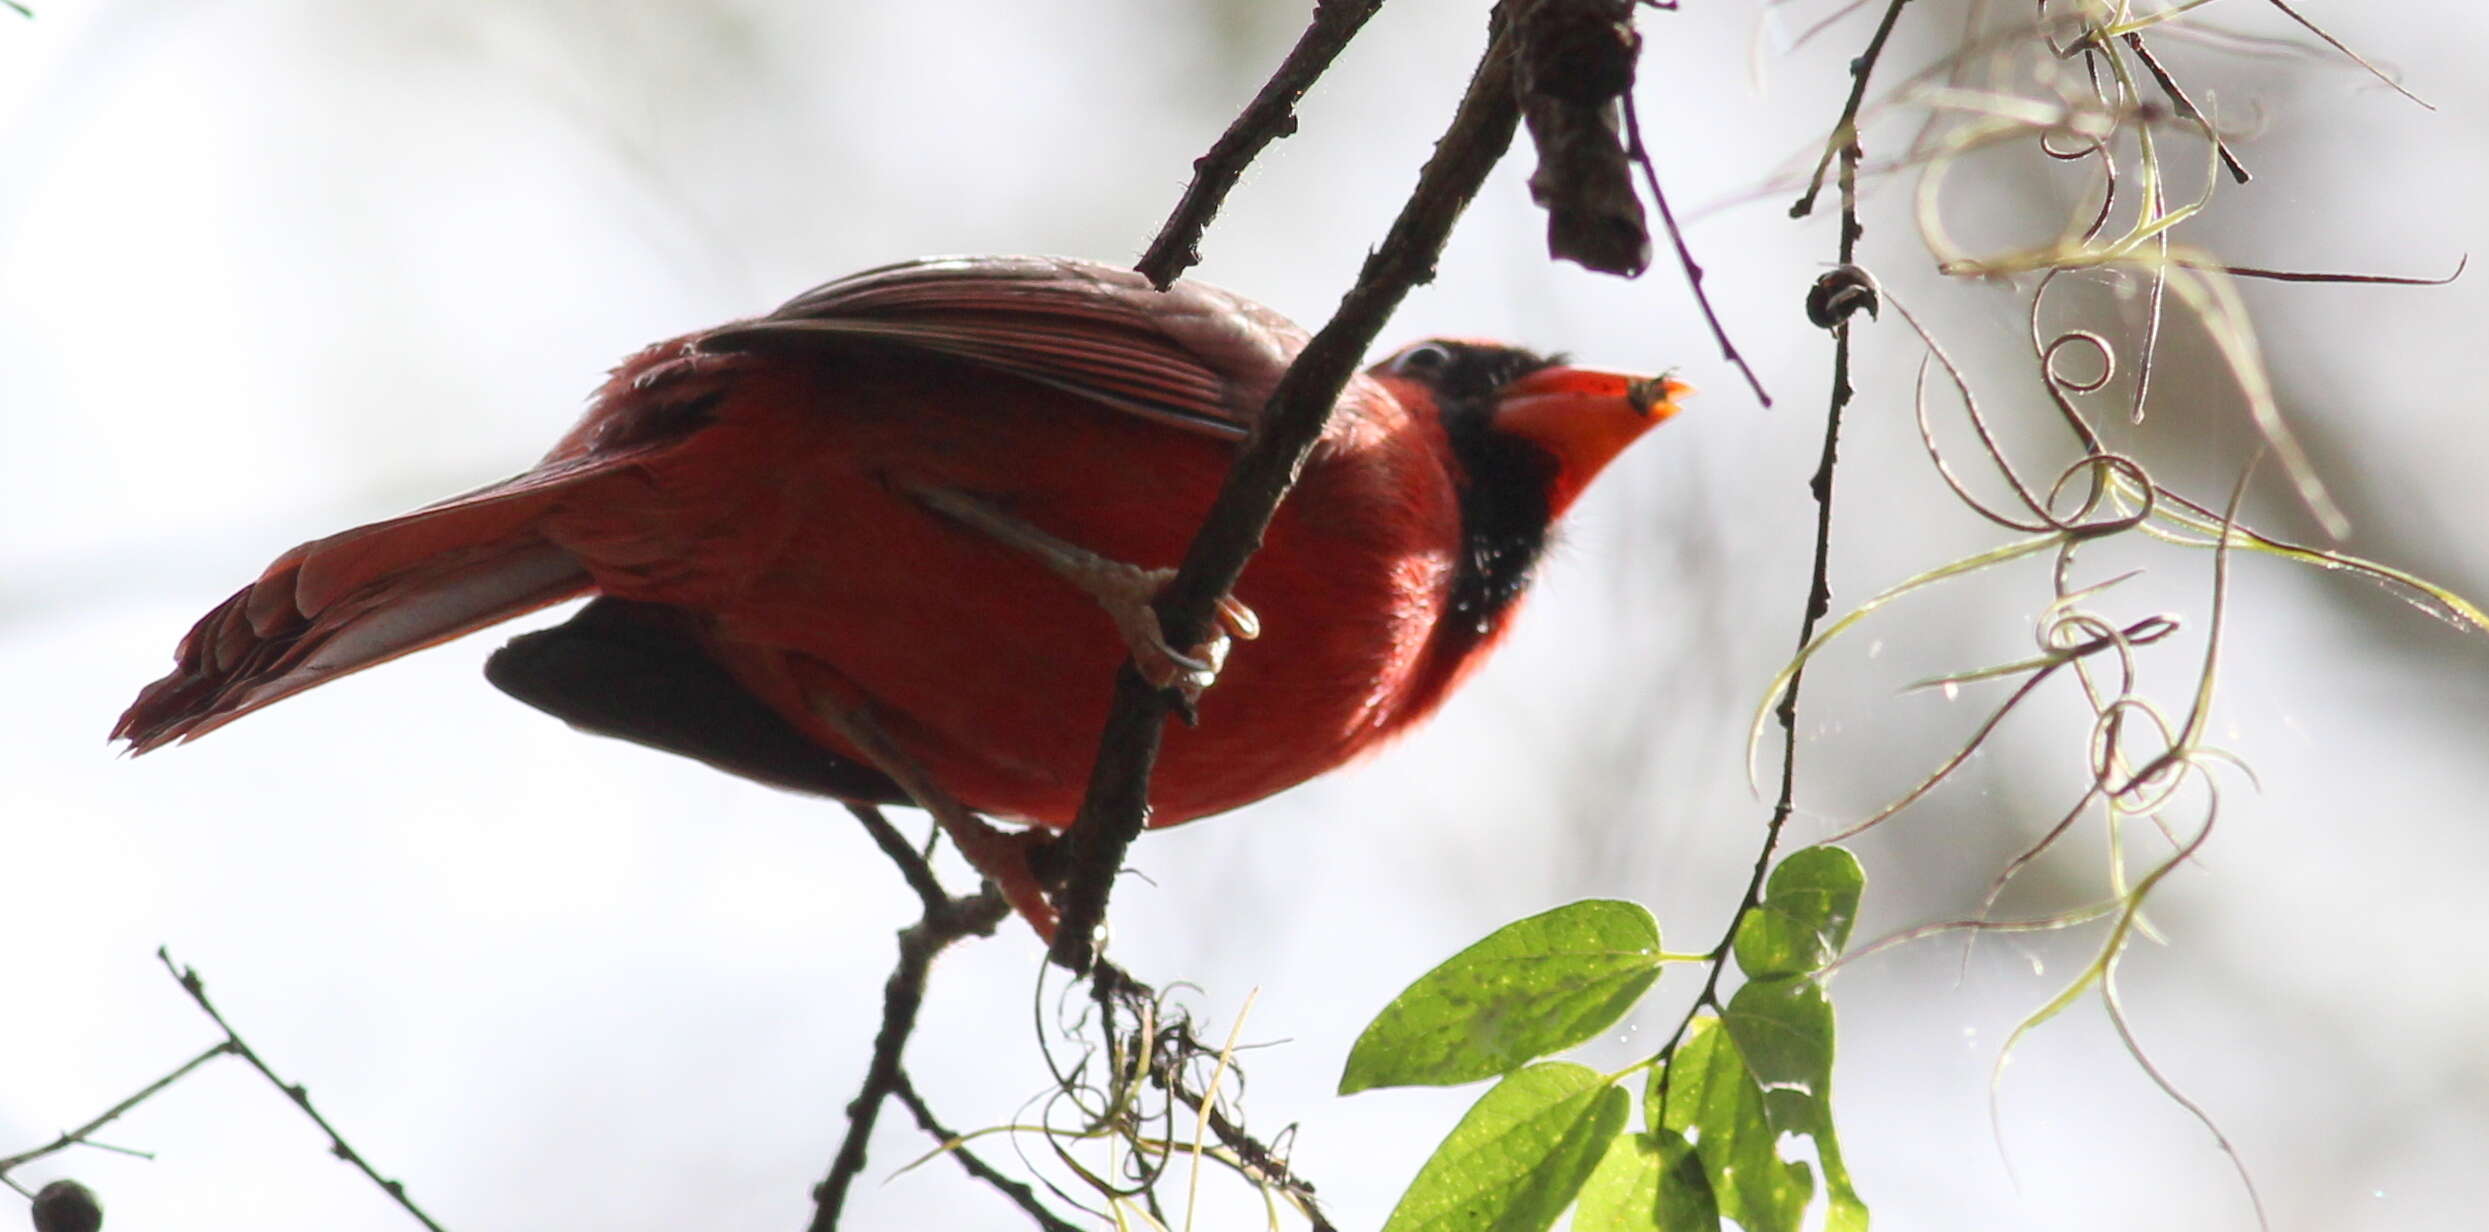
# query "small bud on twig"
(1841, 293)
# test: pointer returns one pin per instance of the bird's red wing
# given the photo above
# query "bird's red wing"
(1193, 357)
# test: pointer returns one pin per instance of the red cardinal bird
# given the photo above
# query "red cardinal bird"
(859, 547)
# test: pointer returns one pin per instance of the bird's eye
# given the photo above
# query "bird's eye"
(1424, 359)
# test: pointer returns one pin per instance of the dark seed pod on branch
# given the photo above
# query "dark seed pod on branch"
(1841, 292)
(1576, 68)
(67, 1206)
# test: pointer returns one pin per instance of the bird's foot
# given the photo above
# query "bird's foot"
(1004, 857)
(1129, 594)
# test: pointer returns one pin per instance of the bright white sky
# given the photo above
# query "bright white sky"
(267, 270)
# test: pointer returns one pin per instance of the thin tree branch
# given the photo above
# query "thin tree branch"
(1253, 1157)
(1270, 116)
(1845, 133)
(2282, 275)
(2355, 57)
(1685, 255)
(1160, 1047)
(903, 995)
(1852, 287)
(1112, 812)
(911, 862)
(80, 1134)
(1020, 1193)
(2186, 106)
(197, 988)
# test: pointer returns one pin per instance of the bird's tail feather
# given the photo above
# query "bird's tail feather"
(361, 597)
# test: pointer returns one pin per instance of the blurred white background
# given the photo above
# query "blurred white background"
(269, 269)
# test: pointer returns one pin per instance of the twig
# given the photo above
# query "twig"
(944, 922)
(911, 862)
(80, 1134)
(2355, 57)
(1270, 116)
(1845, 133)
(1819, 585)
(1019, 1193)
(1685, 254)
(1159, 1047)
(2186, 106)
(1255, 1159)
(197, 988)
(1117, 799)
(2282, 275)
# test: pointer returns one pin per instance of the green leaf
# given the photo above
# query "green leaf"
(1622, 1194)
(1805, 916)
(1783, 1028)
(1848, 1211)
(1532, 987)
(1520, 1155)
(1648, 1183)
(1709, 1089)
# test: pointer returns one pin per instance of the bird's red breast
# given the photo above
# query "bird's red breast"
(746, 495)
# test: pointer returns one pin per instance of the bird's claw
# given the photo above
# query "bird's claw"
(1192, 670)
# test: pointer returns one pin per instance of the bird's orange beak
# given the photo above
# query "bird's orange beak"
(1584, 418)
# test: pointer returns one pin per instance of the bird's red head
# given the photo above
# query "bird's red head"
(1494, 397)
(1525, 433)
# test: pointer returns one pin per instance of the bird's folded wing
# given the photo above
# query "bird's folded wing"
(1193, 356)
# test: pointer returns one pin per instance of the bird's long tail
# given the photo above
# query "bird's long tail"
(365, 596)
